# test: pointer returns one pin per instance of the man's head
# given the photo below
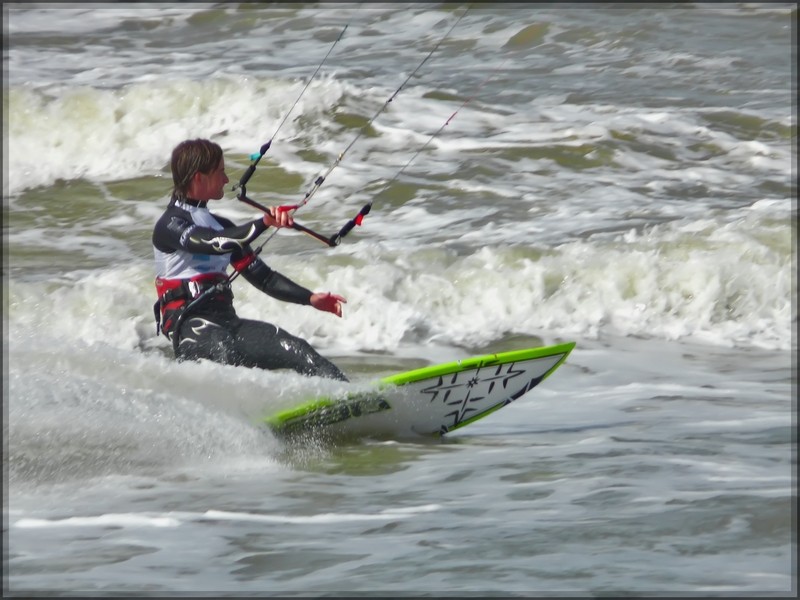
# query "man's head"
(198, 171)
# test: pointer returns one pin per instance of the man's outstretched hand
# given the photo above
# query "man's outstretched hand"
(328, 302)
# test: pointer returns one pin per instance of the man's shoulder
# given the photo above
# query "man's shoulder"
(173, 220)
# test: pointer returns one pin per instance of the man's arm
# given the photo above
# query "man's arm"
(176, 232)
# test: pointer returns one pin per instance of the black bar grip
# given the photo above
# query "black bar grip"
(247, 175)
(252, 168)
(336, 239)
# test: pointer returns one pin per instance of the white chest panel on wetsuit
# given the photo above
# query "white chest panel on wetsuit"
(181, 264)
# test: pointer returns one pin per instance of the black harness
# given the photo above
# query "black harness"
(192, 293)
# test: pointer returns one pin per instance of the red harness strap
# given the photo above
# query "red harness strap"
(244, 262)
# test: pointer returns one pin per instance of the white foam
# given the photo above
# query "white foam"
(177, 518)
(724, 281)
(112, 134)
(384, 515)
(115, 520)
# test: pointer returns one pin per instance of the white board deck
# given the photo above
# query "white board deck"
(430, 401)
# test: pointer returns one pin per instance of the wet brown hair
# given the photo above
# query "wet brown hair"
(190, 157)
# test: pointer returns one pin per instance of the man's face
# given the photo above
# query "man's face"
(211, 186)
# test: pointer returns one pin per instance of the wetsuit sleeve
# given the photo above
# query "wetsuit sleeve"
(176, 232)
(272, 283)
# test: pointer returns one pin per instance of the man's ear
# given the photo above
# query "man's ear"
(194, 180)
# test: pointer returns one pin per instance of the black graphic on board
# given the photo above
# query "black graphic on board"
(466, 392)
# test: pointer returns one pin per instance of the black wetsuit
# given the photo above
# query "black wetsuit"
(193, 249)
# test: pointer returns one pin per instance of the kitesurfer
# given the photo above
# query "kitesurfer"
(193, 249)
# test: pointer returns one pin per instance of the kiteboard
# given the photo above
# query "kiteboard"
(426, 402)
